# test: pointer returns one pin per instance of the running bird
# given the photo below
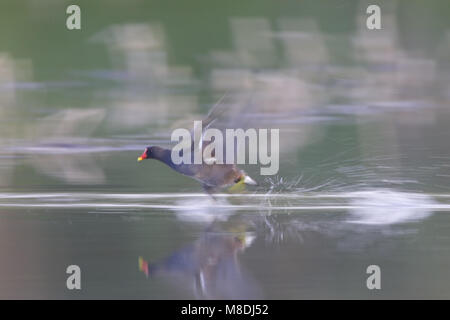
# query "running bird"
(213, 176)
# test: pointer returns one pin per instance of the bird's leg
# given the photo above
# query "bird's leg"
(210, 191)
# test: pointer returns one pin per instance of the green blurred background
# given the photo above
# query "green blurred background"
(358, 110)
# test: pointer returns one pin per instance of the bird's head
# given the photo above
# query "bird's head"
(149, 153)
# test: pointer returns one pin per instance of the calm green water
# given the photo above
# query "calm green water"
(364, 150)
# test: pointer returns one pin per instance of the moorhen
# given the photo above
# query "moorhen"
(213, 176)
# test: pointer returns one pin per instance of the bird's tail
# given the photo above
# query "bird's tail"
(250, 181)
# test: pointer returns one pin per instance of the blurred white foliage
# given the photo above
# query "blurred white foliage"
(62, 127)
(139, 51)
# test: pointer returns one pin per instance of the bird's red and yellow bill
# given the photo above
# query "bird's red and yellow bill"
(142, 157)
(143, 266)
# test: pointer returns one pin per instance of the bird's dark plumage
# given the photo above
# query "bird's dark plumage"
(212, 175)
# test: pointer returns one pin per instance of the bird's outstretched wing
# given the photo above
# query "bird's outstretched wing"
(216, 111)
(229, 112)
(213, 115)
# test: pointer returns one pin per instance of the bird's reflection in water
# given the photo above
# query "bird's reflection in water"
(211, 264)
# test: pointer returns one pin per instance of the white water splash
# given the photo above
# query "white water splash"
(366, 207)
(389, 207)
(204, 210)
